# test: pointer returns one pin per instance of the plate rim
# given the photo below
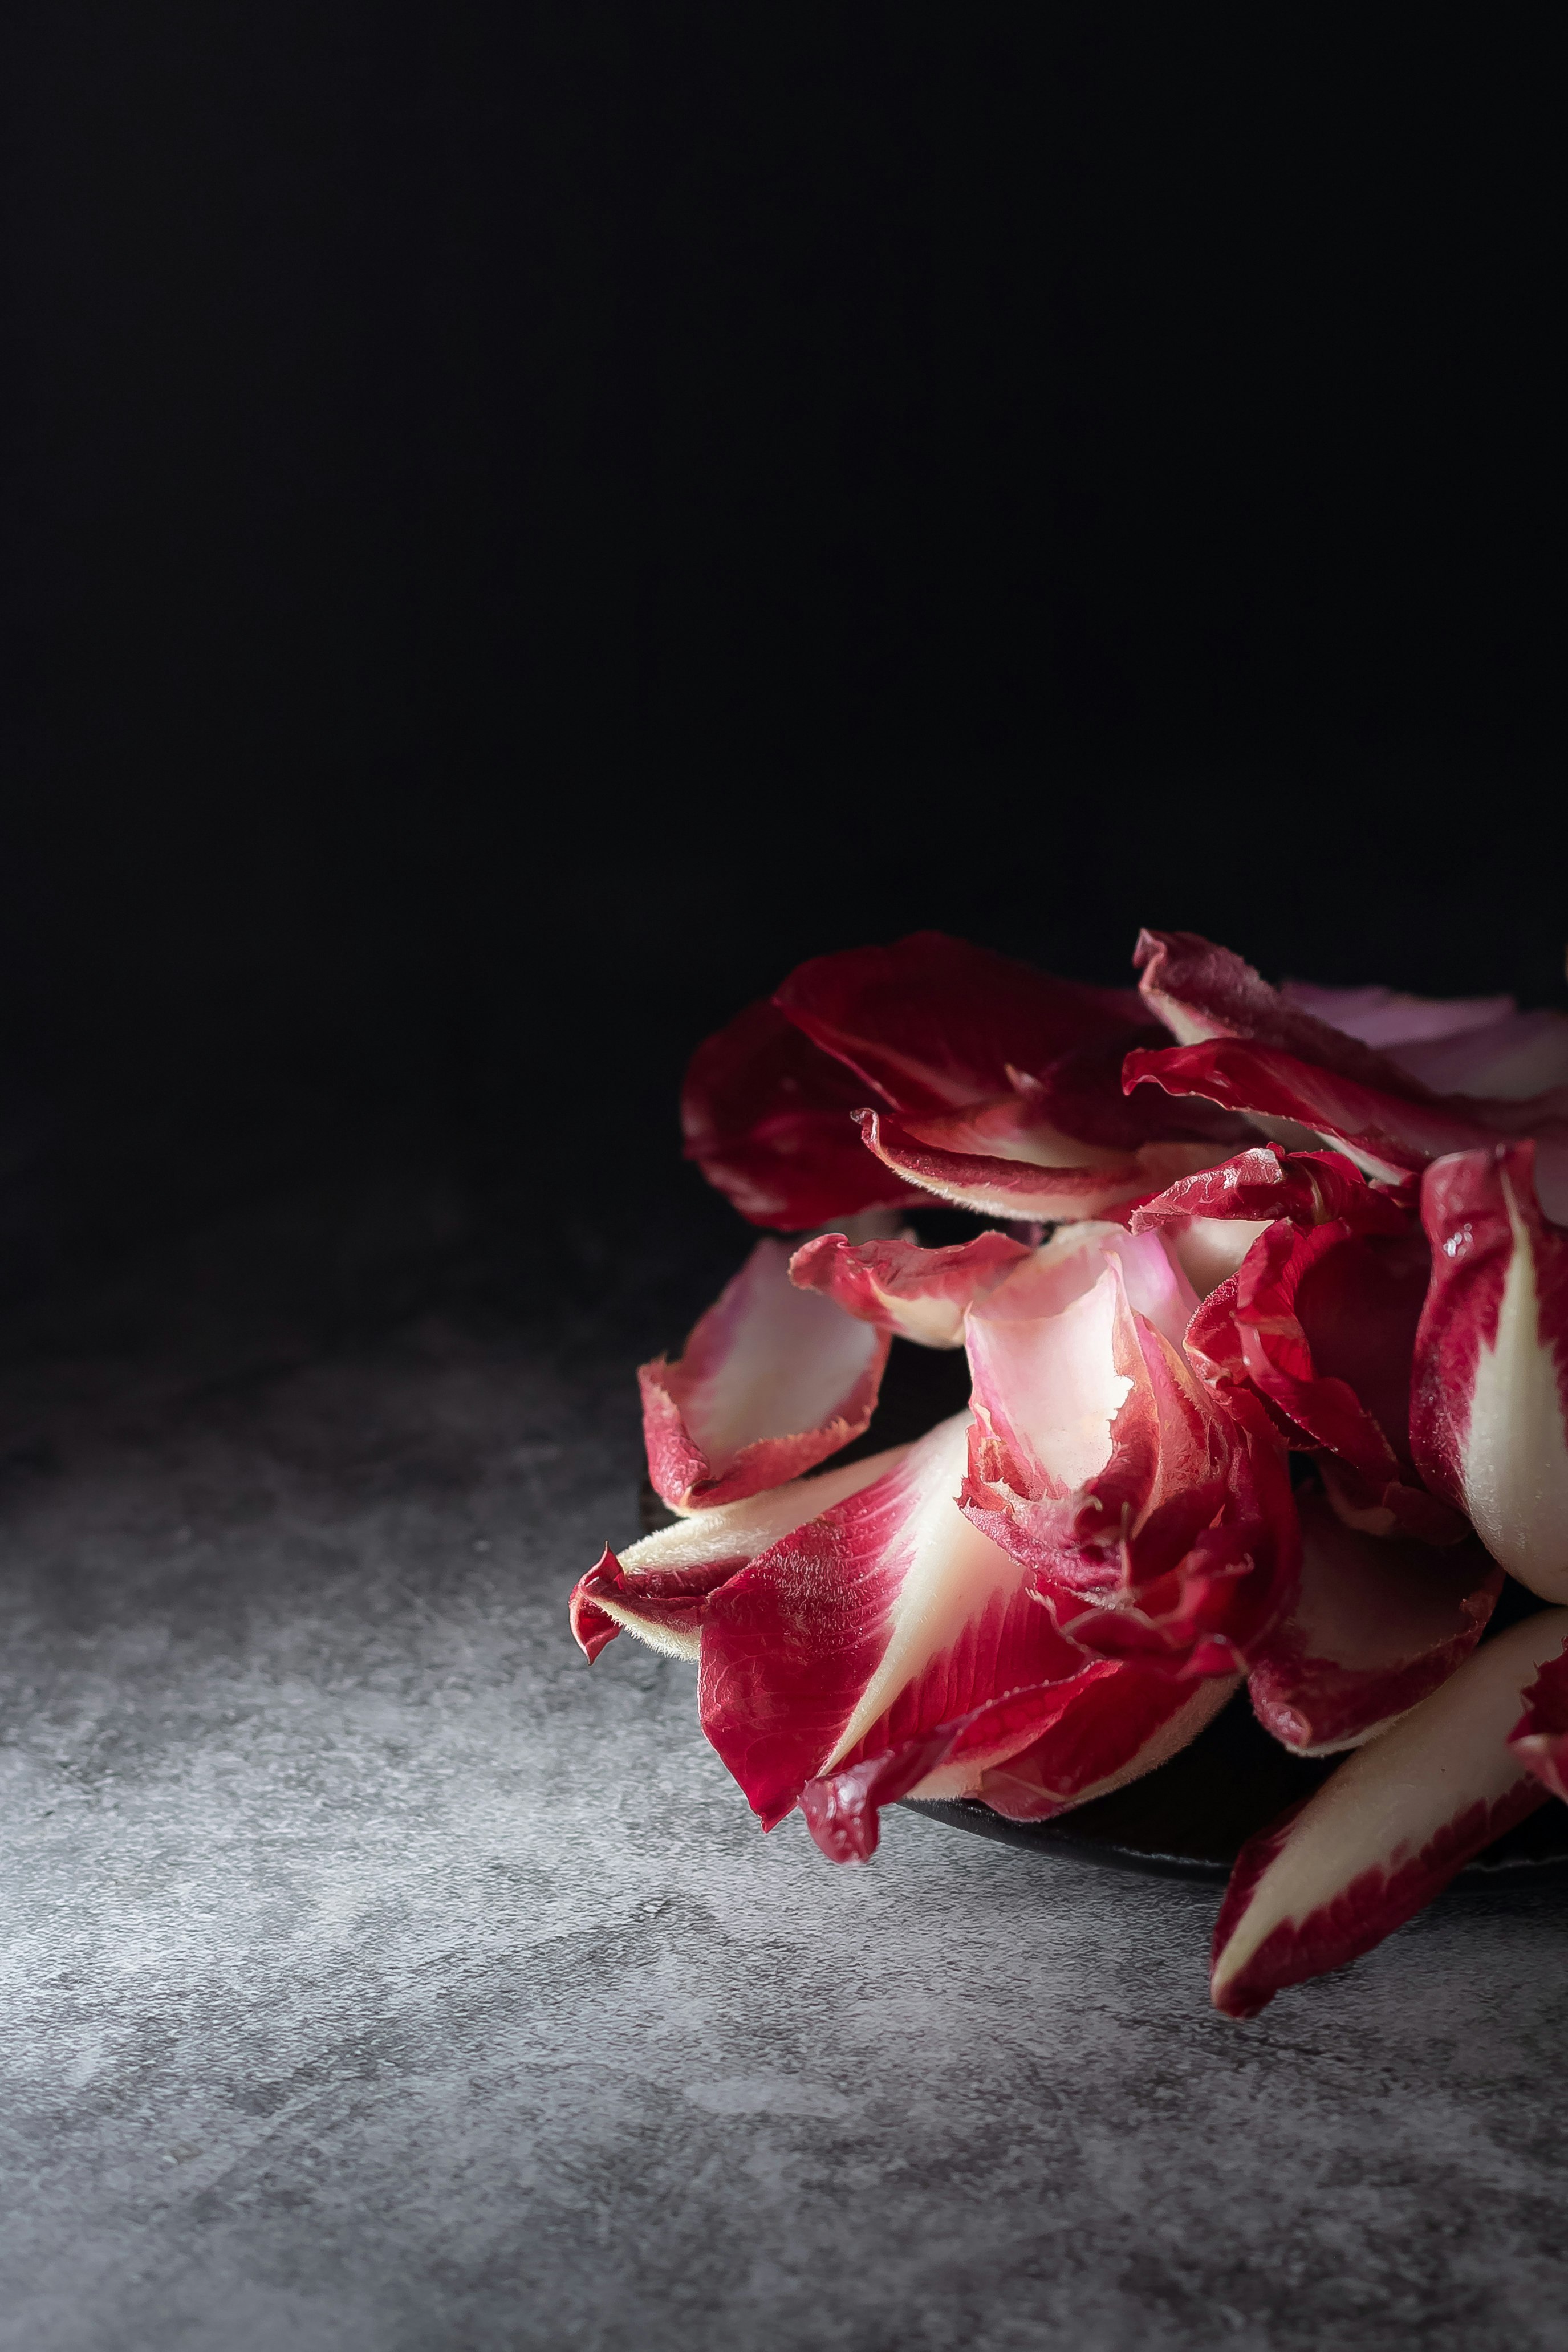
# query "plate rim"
(1477, 1876)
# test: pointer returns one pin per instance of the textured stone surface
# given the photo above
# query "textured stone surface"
(377, 1977)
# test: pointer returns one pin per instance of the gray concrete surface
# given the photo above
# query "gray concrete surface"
(377, 1977)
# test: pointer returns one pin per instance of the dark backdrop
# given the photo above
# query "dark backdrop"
(524, 521)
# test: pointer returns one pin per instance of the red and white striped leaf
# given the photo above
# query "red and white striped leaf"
(1387, 1832)
(886, 1619)
(1490, 1402)
(659, 1588)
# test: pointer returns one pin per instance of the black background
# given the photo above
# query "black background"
(525, 522)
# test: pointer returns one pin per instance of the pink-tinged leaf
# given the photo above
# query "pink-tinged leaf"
(1006, 1158)
(881, 1622)
(659, 1589)
(1377, 1625)
(1540, 1737)
(771, 1380)
(920, 1294)
(769, 1121)
(1384, 1018)
(1523, 1056)
(1322, 1323)
(1465, 1046)
(1489, 1404)
(1102, 1726)
(1156, 1520)
(1386, 1831)
(932, 1023)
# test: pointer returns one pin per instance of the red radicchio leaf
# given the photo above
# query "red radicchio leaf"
(1377, 1624)
(1388, 1135)
(986, 1073)
(768, 1119)
(1322, 1323)
(1125, 1720)
(932, 1023)
(1213, 1611)
(1255, 1051)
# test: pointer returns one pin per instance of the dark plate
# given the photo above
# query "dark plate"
(1191, 1818)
